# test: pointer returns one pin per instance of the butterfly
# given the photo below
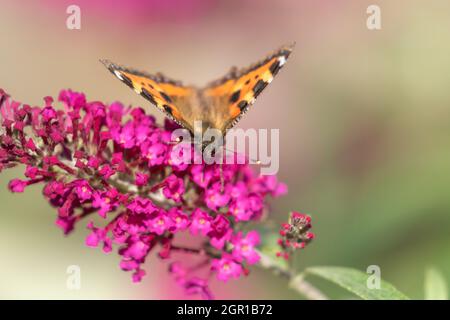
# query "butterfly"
(219, 105)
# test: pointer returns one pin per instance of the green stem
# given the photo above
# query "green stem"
(296, 281)
(305, 288)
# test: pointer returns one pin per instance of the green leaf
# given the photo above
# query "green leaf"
(435, 285)
(357, 282)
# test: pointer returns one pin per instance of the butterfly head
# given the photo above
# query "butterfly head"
(205, 133)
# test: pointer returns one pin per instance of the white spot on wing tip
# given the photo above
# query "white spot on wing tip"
(282, 60)
(118, 74)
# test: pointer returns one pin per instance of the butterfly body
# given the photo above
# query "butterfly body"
(219, 105)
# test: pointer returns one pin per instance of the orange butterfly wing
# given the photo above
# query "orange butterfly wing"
(238, 90)
(219, 105)
(168, 95)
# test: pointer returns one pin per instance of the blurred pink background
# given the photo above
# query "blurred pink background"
(363, 118)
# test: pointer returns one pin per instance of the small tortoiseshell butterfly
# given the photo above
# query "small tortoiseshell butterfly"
(219, 105)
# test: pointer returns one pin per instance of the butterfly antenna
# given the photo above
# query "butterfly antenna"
(255, 161)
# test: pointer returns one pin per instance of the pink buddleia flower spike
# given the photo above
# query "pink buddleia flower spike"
(113, 161)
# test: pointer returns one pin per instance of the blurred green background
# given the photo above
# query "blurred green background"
(363, 117)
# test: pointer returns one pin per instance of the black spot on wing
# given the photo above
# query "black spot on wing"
(127, 80)
(147, 95)
(260, 85)
(165, 96)
(275, 67)
(242, 105)
(235, 96)
(167, 109)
